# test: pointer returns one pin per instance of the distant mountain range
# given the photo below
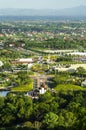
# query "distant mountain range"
(75, 11)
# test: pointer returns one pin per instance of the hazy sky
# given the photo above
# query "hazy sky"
(41, 4)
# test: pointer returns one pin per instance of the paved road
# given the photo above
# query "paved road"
(38, 79)
(42, 76)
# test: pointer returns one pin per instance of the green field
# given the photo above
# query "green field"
(23, 88)
(68, 87)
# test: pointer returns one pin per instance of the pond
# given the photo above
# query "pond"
(3, 93)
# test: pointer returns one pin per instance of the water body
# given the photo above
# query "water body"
(3, 93)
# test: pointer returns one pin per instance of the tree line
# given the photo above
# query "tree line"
(62, 110)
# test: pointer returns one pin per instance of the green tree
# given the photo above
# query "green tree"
(50, 120)
(67, 119)
(81, 70)
(1, 103)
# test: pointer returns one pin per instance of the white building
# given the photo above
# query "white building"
(42, 90)
(23, 61)
(26, 60)
(83, 84)
(1, 63)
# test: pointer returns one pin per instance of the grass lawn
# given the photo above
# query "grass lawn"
(69, 87)
(23, 88)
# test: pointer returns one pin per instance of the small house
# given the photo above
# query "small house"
(83, 84)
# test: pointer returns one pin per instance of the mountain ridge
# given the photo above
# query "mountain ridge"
(74, 11)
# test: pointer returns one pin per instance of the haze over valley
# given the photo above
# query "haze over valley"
(74, 11)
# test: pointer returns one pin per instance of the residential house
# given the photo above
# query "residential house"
(83, 84)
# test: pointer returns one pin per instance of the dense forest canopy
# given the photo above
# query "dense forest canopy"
(60, 110)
